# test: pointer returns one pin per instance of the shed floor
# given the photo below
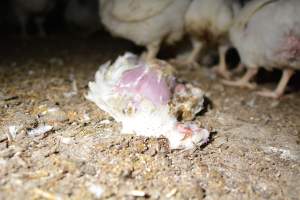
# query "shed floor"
(254, 152)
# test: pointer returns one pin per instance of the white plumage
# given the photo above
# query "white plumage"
(142, 96)
(146, 23)
(267, 34)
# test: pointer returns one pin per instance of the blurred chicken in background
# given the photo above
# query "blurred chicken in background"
(267, 34)
(83, 15)
(146, 23)
(36, 9)
(208, 22)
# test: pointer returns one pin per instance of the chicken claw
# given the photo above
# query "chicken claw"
(244, 82)
(240, 83)
(269, 93)
(279, 91)
(222, 71)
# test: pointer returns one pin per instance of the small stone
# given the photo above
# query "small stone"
(54, 114)
(67, 140)
(171, 193)
(40, 130)
(95, 189)
(137, 193)
(219, 141)
(106, 121)
(56, 61)
(89, 169)
(7, 153)
(140, 146)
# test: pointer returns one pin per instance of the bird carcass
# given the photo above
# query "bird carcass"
(148, 100)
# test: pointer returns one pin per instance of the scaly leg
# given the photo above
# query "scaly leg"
(239, 69)
(152, 50)
(244, 82)
(279, 91)
(221, 69)
(191, 61)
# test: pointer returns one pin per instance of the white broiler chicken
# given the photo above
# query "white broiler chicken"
(83, 14)
(208, 23)
(146, 98)
(25, 9)
(146, 23)
(267, 34)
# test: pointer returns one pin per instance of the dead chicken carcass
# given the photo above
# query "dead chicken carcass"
(267, 34)
(146, 23)
(208, 23)
(39, 9)
(145, 97)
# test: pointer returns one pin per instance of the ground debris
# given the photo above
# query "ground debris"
(40, 130)
(252, 158)
(43, 194)
(95, 189)
(137, 193)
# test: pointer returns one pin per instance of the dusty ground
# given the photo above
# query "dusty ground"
(254, 152)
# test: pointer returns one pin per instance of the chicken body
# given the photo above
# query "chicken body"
(24, 9)
(146, 23)
(208, 22)
(267, 34)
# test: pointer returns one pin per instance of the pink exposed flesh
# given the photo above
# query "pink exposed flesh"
(291, 48)
(189, 129)
(145, 83)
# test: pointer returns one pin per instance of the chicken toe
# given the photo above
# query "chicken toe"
(269, 93)
(279, 91)
(222, 71)
(244, 82)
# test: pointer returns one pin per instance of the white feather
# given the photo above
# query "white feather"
(167, 24)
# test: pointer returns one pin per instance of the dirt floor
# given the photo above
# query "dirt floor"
(254, 152)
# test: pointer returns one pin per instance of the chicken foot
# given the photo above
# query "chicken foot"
(244, 82)
(279, 91)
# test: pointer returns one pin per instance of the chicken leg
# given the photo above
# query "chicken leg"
(244, 82)
(279, 91)
(191, 61)
(221, 69)
(152, 50)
